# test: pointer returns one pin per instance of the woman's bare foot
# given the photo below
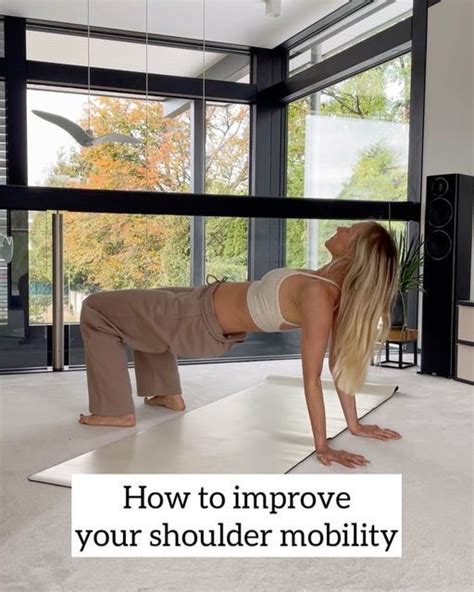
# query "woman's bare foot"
(120, 421)
(174, 402)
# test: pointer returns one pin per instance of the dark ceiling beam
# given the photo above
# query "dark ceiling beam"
(104, 79)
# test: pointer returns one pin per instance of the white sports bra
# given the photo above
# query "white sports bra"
(263, 298)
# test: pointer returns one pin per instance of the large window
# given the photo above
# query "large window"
(160, 162)
(349, 141)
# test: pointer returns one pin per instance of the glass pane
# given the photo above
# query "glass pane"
(226, 247)
(25, 276)
(227, 172)
(366, 22)
(350, 141)
(160, 162)
(121, 55)
(305, 248)
(118, 252)
(26, 290)
(227, 148)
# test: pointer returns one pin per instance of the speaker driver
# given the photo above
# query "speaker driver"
(439, 186)
(438, 244)
(440, 212)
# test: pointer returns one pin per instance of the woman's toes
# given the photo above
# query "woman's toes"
(106, 420)
(174, 402)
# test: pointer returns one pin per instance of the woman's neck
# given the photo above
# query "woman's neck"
(335, 270)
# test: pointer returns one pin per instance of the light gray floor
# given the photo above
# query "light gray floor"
(434, 416)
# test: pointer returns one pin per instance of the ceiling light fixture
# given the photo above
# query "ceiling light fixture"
(86, 137)
(273, 7)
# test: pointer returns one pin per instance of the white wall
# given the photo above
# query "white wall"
(449, 105)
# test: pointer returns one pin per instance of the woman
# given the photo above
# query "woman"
(356, 291)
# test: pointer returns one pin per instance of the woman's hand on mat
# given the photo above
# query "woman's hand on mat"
(326, 455)
(374, 431)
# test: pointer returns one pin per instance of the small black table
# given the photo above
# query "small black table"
(399, 337)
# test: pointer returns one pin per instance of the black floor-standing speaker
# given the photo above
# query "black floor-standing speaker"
(446, 267)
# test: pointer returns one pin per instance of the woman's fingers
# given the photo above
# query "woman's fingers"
(358, 461)
(352, 455)
(388, 434)
(351, 459)
(393, 433)
(347, 459)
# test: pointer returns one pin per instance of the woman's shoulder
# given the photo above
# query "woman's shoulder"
(324, 294)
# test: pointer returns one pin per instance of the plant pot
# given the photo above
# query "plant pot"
(397, 316)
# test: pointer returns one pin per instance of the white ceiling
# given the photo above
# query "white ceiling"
(231, 21)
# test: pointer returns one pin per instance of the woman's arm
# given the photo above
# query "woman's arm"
(317, 315)
(348, 402)
(316, 321)
(317, 414)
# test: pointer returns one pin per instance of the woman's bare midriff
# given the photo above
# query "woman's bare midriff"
(230, 303)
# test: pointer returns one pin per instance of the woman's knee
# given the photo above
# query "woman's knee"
(94, 300)
(88, 308)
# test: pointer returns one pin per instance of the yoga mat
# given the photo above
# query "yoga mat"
(262, 429)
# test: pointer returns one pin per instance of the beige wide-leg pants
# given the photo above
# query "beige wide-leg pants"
(159, 324)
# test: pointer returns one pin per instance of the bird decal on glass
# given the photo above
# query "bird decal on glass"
(84, 137)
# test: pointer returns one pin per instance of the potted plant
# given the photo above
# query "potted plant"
(409, 278)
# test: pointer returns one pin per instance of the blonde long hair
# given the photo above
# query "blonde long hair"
(367, 293)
